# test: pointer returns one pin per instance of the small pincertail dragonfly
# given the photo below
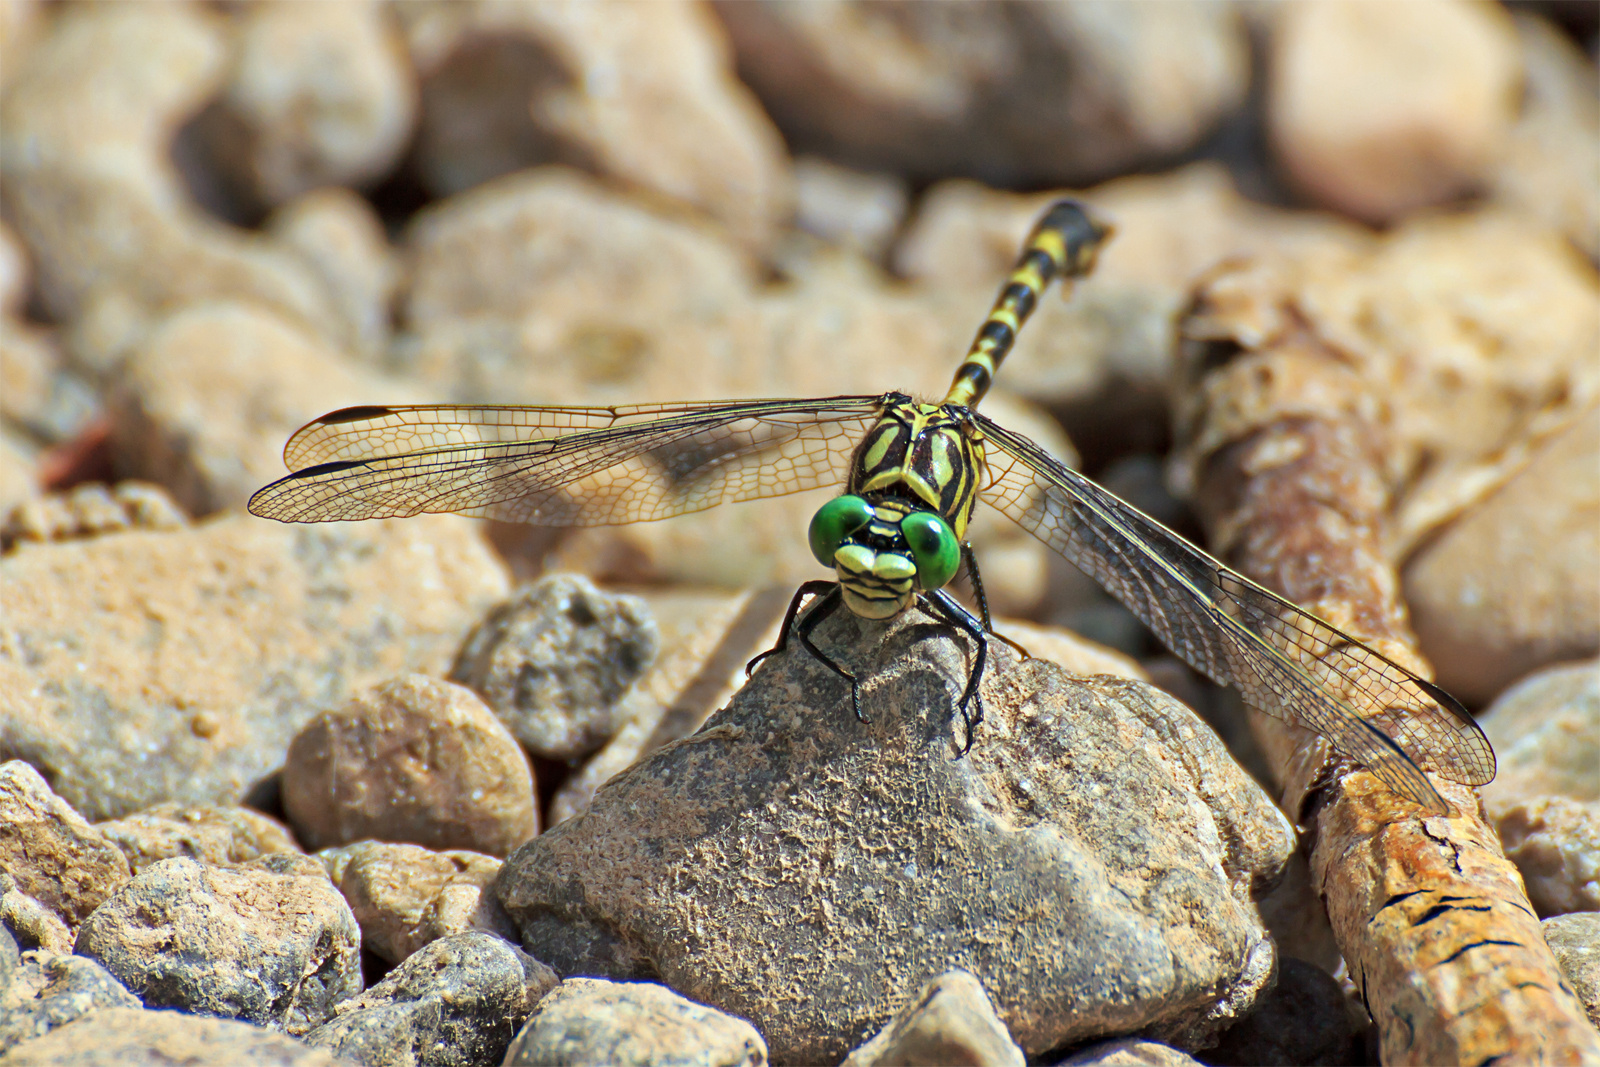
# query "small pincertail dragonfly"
(913, 473)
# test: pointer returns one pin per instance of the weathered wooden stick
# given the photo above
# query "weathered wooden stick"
(1432, 919)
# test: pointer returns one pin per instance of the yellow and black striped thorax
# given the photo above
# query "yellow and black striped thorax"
(928, 455)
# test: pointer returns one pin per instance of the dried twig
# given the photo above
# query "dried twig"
(1287, 454)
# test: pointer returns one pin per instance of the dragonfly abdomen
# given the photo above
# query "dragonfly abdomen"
(1064, 242)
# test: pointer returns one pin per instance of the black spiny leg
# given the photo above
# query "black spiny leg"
(971, 561)
(831, 599)
(946, 607)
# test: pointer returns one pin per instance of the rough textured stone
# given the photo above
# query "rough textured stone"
(50, 852)
(233, 356)
(405, 897)
(1302, 1020)
(30, 923)
(316, 96)
(275, 950)
(413, 760)
(1380, 109)
(152, 667)
(216, 835)
(632, 1024)
(126, 1037)
(951, 1021)
(457, 1002)
(1575, 940)
(1509, 587)
(1016, 94)
(643, 94)
(794, 867)
(554, 660)
(50, 990)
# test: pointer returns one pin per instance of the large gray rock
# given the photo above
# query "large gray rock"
(275, 950)
(1093, 861)
(457, 1002)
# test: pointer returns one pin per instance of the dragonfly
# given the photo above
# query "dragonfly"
(912, 471)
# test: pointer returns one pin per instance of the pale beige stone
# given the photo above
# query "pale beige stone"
(1378, 109)
(177, 666)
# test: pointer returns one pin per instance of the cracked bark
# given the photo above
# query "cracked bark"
(1286, 449)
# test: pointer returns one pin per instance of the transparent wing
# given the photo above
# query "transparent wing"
(1285, 661)
(563, 466)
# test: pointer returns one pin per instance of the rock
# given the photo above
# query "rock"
(90, 510)
(1575, 940)
(643, 95)
(1380, 109)
(236, 357)
(1508, 588)
(706, 638)
(952, 1021)
(51, 990)
(128, 1037)
(1546, 736)
(341, 237)
(1550, 156)
(28, 922)
(316, 96)
(177, 666)
(632, 1024)
(274, 950)
(554, 660)
(220, 836)
(1555, 843)
(90, 183)
(50, 852)
(39, 392)
(1129, 1052)
(405, 897)
(1302, 1020)
(1024, 94)
(849, 208)
(457, 1002)
(809, 873)
(413, 760)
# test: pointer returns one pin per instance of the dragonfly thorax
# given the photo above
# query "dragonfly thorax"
(928, 454)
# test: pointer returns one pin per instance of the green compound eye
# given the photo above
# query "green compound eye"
(833, 522)
(934, 548)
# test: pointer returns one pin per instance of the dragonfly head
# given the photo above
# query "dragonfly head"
(884, 553)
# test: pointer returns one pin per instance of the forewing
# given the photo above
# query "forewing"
(563, 466)
(1285, 661)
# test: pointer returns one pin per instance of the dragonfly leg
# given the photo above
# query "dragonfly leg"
(946, 607)
(829, 592)
(825, 607)
(813, 588)
(983, 601)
